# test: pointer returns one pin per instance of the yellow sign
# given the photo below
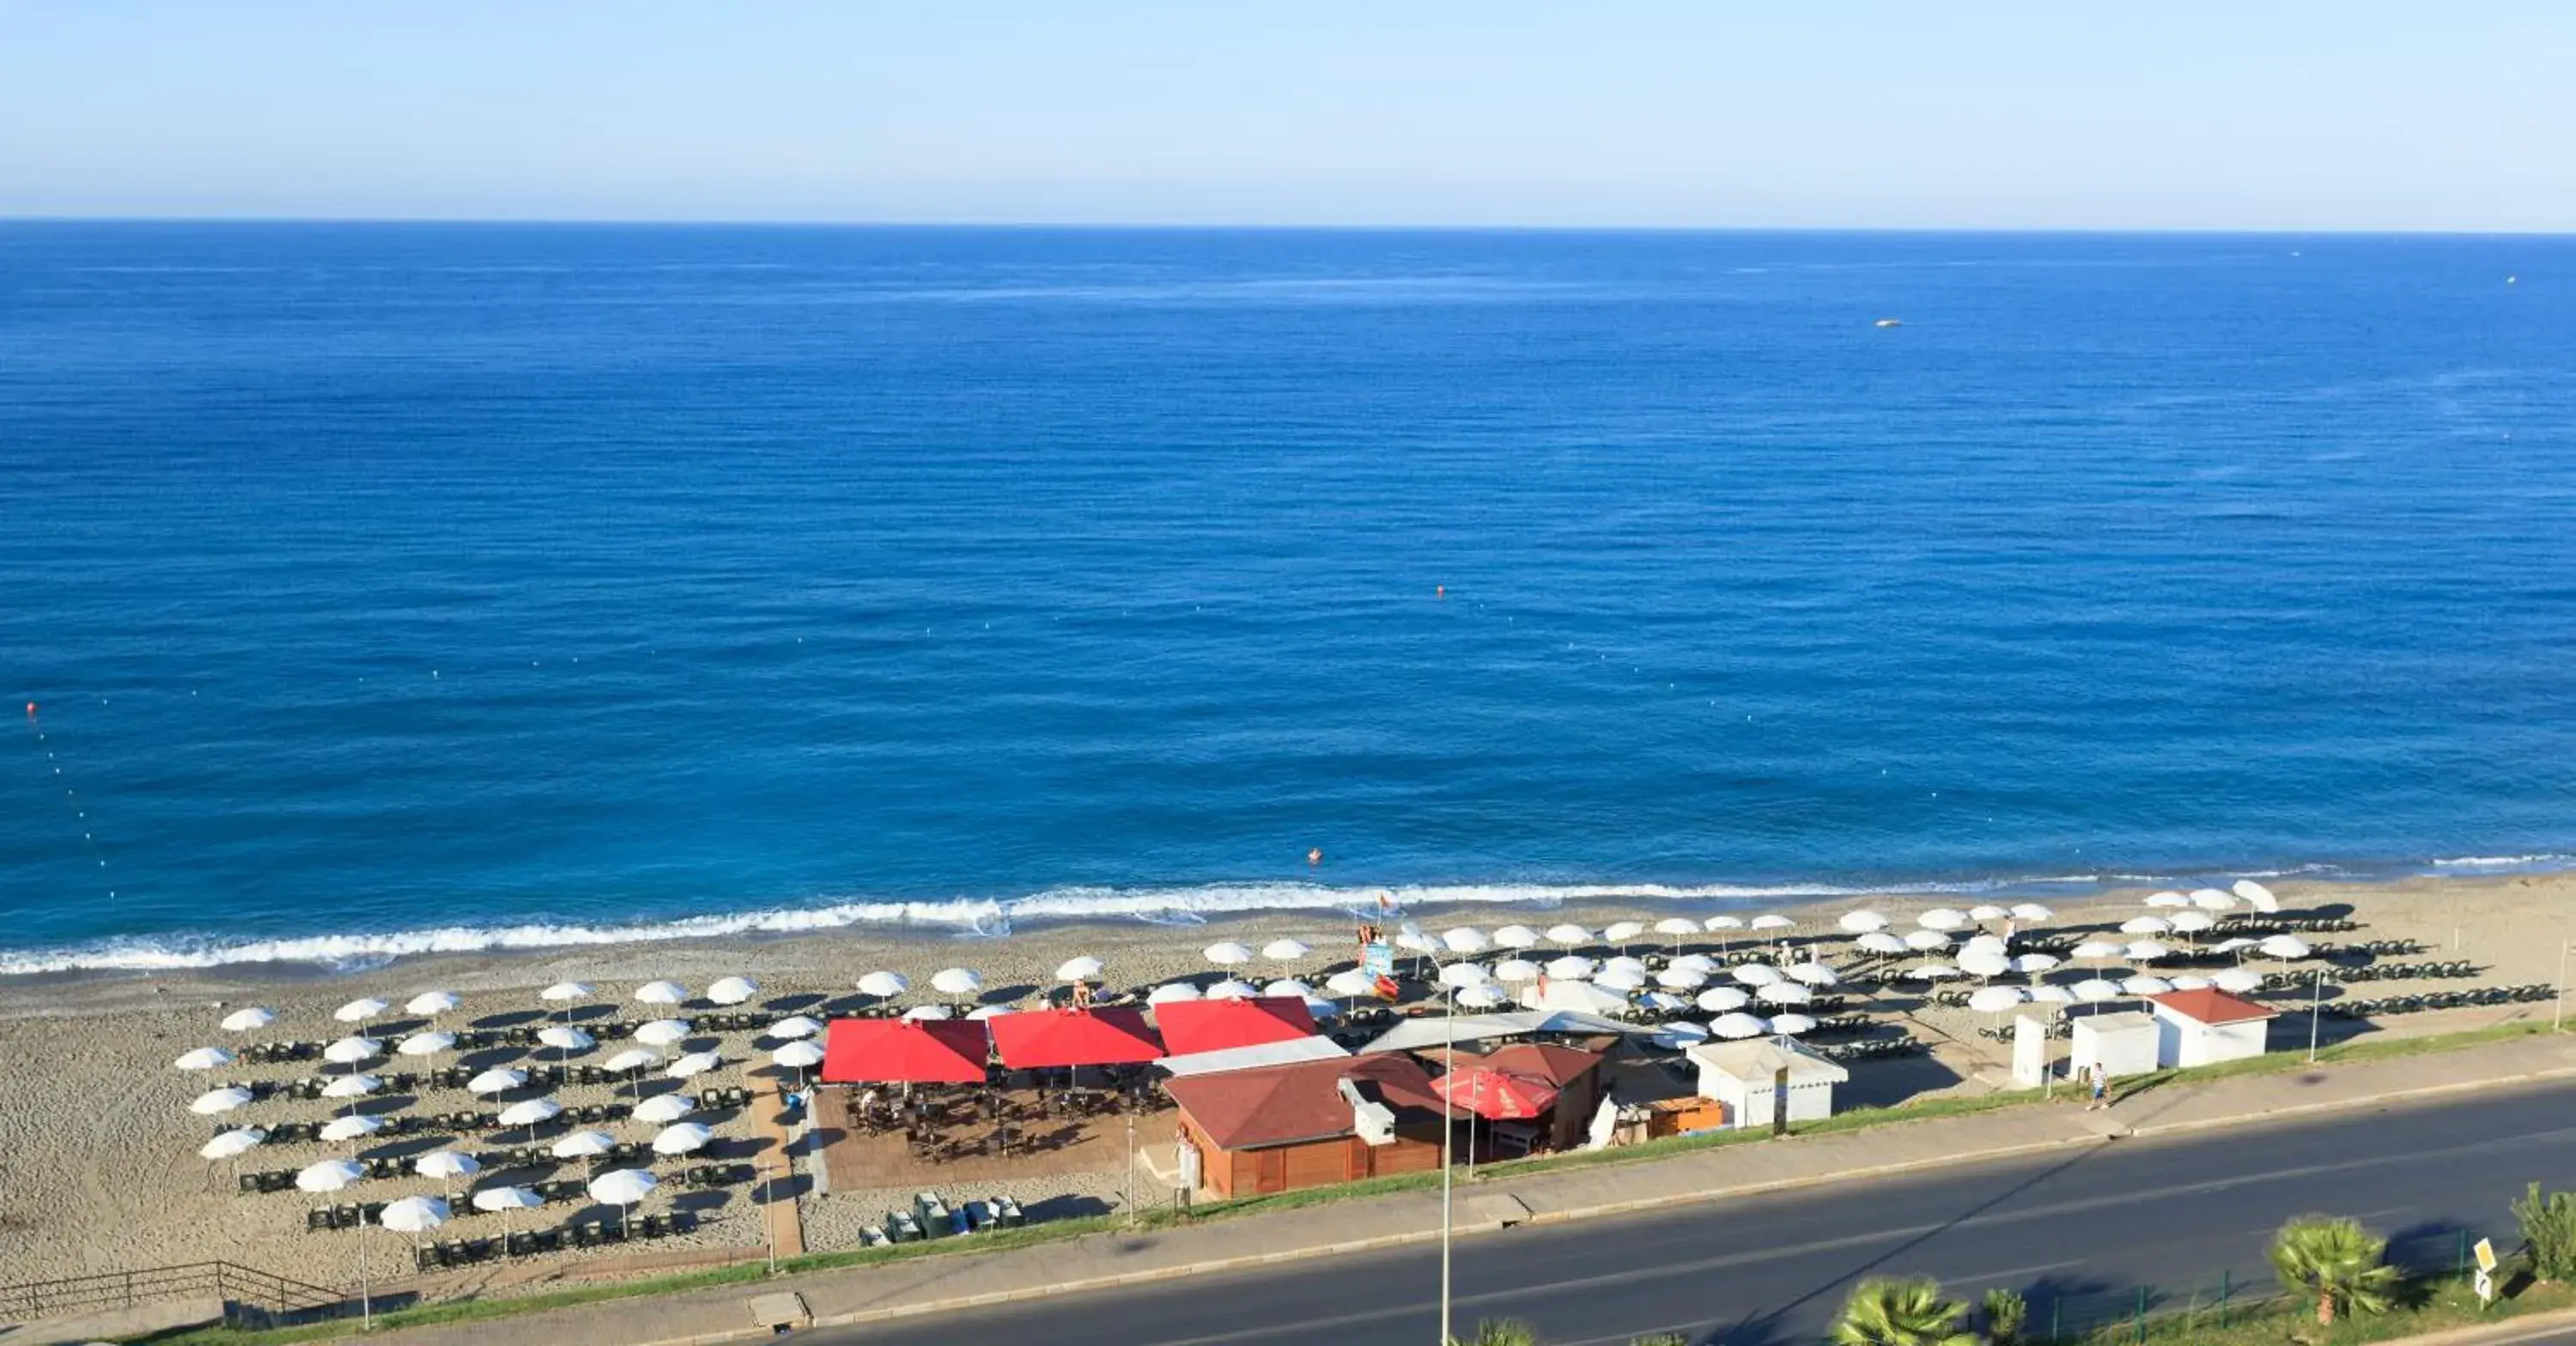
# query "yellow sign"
(2486, 1255)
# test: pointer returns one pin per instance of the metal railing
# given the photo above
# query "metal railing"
(2095, 1315)
(246, 1291)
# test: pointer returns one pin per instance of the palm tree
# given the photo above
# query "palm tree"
(2336, 1260)
(1888, 1312)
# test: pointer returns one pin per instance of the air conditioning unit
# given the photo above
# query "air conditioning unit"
(1374, 1121)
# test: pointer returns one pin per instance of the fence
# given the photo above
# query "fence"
(251, 1296)
(2086, 1315)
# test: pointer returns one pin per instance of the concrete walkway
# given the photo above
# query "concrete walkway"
(777, 1187)
(962, 1280)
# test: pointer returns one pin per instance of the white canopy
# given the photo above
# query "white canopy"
(2146, 925)
(1227, 953)
(1620, 932)
(220, 1100)
(203, 1058)
(426, 1044)
(1762, 1062)
(795, 1026)
(1783, 993)
(1720, 999)
(1518, 937)
(352, 1127)
(1718, 925)
(531, 1112)
(1582, 997)
(249, 1020)
(499, 1080)
(1677, 926)
(1432, 1030)
(1170, 993)
(1351, 981)
(682, 1138)
(695, 1063)
(232, 1144)
(2237, 980)
(1079, 969)
(957, 981)
(446, 1164)
(1863, 921)
(1994, 999)
(1571, 967)
(2031, 911)
(360, 1010)
(330, 1175)
(633, 1058)
(413, 1214)
(1483, 997)
(432, 1003)
(2213, 899)
(1755, 974)
(1738, 1026)
(1926, 941)
(662, 1109)
(1570, 935)
(797, 1056)
(662, 1032)
(349, 1051)
(1514, 971)
(622, 1187)
(661, 993)
(584, 1145)
(1465, 939)
(495, 1199)
(732, 990)
(1944, 919)
(566, 990)
(566, 1038)
(884, 985)
(1881, 942)
(352, 1086)
(2168, 898)
(2256, 896)
(1231, 989)
(918, 1012)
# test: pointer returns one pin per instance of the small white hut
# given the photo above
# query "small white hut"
(1745, 1076)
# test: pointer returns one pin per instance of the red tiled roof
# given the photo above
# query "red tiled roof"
(1284, 1105)
(1548, 1061)
(2213, 1007)
(1193, 1026)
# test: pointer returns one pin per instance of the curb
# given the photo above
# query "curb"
(2504, 1333)
(2347, 1104)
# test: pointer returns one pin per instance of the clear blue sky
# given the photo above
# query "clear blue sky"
(2245, 114)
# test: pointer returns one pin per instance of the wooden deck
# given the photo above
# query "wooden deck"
(856, 1160)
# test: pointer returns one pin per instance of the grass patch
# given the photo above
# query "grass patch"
(2282, 1331)
(2430, 1304)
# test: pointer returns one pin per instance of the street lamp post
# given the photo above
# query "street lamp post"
(2316, 1011)
(2558, 1011)
(1448, 1133)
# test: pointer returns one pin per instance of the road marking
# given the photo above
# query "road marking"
(2009, 1275)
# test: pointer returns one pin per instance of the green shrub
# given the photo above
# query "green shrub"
(2006, 1312)
(1504, 1332)
(2548, 1221)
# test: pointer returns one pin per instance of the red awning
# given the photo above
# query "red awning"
(1111, 1036)
(1193, 1026)
(1496, 1095)
(904, 1051)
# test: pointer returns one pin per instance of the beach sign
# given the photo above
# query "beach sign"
(1377, 957)
(2485, 1283)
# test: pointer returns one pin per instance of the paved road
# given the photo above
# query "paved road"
(2087, 1227)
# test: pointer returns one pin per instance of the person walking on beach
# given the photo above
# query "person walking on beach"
(2101, 1081)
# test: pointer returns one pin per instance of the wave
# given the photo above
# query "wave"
(2545, 860)
(988, 917)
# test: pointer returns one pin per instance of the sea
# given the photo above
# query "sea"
(382, 588)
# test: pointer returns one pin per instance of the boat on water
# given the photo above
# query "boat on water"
(1889, 322)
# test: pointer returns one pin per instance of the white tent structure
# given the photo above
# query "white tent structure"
(1746, 1076)
(1432, 1031)
(1582, 997)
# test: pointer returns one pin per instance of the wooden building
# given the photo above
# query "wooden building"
(1280, 1128)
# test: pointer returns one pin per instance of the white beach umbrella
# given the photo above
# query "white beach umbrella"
(1988, 912)
(2237, 980)
(1696, 962)
(1681, 978)
(1932, 972)
(1755, 974)
(957, 981)
(1943, 919)
(682, 1138)
(1482, 997)
(2095, 950)
(1624, 963)
(1771, 921)
(1677, 926)
(695, 1063)
(1620, 932)
(1414, 939)
(664, 1109)
(446, 1165)
(1227, 953)
(2193, 922)
(2034, 963)
(1783, 993)
(1984, 963)
(1676, 1036)
(360, 1010)
(413, 1214)
(352, 1127)
(2168, 898)
(1518, 937)
(531, 1112)
(2213, 899)
(1460, 976)
(1926, 941)
(566, 1038)
(1863, 921)
(1172, 993)
(662, 1032)
(1662, 1002)
(1792, 1024)
(432, 1003)
(2235, 943)
(2190, 982)
(1621, 980)
(2145, 951)
(1079, 969)
(622, 1188)
(2031, 911)
(330, 1175)
(2052, 995)
(2094, 990)
(352, 1086)
(426, 1044)
(1289, 987)
(1518, 970)
(1569, 935)
(566, 992)
(2256, 896)
(1994, 999)
(1720, 999)
(1738, 1026)
(1351, 981)
(232, 1144)
(2143, 985)
(1231, 989)
(349, 1051)
(1571, 967)
(732, 990)
(225, 1099)
(1881, 942)
(884, 985)
(1287, 950)
(203, 1058)
(632, 1059)
(1719, 925)
(493, 1200)
(2284, 947)
(795, 1026)
(249, 1020)
(586, 1144)
(498, 1080)
(1987, 943)
(1465, 939)
(661, 993)
(2146, 925)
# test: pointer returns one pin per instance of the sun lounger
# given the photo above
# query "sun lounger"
(933, 1215)
(902, 1228)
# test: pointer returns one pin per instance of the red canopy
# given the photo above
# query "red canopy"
(1495, 1095)
(904, 1051)
(1192, 1026)
(1112, 1036)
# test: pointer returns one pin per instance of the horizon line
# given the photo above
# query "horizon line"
(1153, 226)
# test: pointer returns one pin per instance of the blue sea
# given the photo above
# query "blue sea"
(393, 587)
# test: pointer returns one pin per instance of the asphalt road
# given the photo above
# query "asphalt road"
(2085, 1229)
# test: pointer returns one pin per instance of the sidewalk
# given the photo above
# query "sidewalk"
(965, 1280)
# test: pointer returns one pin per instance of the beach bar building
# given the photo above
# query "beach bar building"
(1528, 1095)
(2198, 1028)
(1305, 1124)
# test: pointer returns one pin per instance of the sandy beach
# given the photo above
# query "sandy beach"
(99, 1168)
